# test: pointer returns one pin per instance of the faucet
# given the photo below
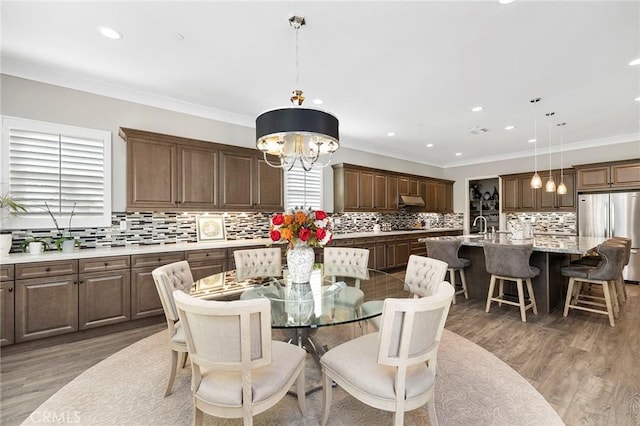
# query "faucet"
(485, 223)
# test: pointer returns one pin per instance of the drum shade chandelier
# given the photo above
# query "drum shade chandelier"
(296, 134)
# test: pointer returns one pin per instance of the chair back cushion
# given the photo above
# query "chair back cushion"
(509, 260)
(411, 329)
(254, 263)
(345, 257)
(445, 250)
(423, 275)
(168, 278)
(231, 336)
(610, 267)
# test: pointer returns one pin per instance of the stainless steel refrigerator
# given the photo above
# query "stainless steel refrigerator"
(615, 214)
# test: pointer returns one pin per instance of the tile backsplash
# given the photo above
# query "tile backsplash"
(170, 228)
(557, 223)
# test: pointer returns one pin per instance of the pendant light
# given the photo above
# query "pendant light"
(296, 134)
(536, 182)
(562, 188)
(550, 186)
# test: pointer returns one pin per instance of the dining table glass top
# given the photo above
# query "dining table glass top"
(333, 296)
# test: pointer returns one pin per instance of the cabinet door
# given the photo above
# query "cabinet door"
(380, 256)
(380, 192)
(46, 307)
(366, 191)
(145, 301)
(392, 193)
(237, 179)
(208, 262)
(528, 197)
(104, 298)
(431, 200)
(625, 175)
(547, 199)
(6, 312)
(198, 178)
(593, 178)
(424, 194)
(390, 255)
(269, 188)
(510, 192)
(152, 169)
(403, 185)
(441, 197)
(568, 201)
(351, 189)
(402, 252)
(413, 186)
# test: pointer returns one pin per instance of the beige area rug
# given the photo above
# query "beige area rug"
(473, 388)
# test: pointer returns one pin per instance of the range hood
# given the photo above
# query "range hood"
(411, 200)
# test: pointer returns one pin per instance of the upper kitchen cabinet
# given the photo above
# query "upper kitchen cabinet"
(613, 175)
(439, 196)
(170, 173)
(249, 183)
(518, 196)
(167, 173)
(353, 188)
(408, 185)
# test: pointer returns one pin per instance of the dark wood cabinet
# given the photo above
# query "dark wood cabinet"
(145, 301)
(518, 196)
(614, 175)
(208, 262)
(249, 183)
(7, 293)
(357, 188)
(198, 179)
(104, 291)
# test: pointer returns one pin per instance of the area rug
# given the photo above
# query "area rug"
(473, 388)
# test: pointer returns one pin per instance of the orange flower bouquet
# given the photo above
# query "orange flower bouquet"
(301, 227)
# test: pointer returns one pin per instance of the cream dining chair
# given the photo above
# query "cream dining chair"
(168, 278)
(238, 370)
(255, 263)
(395, 368)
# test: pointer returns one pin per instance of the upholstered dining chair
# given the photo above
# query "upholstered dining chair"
(238, 370)
(395, 368)
(347, 262)
(255, 263)
(168, 278)
(447, 251)
(422, 276)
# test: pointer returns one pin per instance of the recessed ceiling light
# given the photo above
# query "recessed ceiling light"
(458, 153)
(110, 33)
(178, 36)
(638, 98)
(429, 145)
(391, 134)
(476, 109)
(505, 1)
(532, 140)
(635, 62)
(509, 128)
(318, 101)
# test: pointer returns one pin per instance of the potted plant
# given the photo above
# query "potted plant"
(8, 206)
(66, 242)
(35, 245)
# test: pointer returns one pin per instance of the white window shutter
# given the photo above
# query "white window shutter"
(60, 165)
(303, 189)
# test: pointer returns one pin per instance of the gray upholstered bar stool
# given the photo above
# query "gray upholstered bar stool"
(447, 251)
(605, 274)
(511, 262)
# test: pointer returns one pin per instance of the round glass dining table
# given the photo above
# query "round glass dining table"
(335, 295)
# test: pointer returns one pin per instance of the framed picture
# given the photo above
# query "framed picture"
(210, 228)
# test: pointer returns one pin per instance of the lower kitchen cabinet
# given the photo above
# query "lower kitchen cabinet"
(104, 291)
(6, 310)
(207, 262)
(145, 301)
(45, 307)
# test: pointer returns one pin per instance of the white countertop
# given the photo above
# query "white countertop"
(543, 243)
(14, 258)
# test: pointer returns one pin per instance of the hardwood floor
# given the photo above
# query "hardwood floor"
(588, 371)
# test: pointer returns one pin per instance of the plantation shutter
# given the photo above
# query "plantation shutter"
(60, 165)
(297, 194)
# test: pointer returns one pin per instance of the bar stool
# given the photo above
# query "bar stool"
(594, 260)
(511, 262)
(447, 251)
(605, 274)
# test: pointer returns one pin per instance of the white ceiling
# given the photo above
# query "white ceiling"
(413, 68)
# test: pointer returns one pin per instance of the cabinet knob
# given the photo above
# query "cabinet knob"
(10, 290)
(75, 283)
(106, 263)
(47, 269)
(81, 281)
(207, 255)
(159, 259)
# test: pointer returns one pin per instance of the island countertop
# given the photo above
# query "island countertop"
(543, 243)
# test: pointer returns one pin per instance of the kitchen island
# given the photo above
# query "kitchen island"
(550, 253)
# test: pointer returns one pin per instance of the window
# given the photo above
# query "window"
(60, 165)
(303, 189)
